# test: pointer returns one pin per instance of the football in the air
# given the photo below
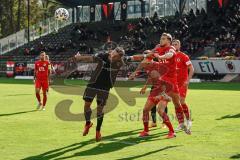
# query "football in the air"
(61, 14)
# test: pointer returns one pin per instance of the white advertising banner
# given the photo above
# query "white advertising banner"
(221, 66)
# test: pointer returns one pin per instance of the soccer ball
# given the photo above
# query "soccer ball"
(61, 14)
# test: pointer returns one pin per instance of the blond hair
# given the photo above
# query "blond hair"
(168, 35)
(177, 41)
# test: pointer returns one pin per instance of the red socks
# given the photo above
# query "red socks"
(186, 111)
(38, 97)
(179, 114)
(167, 122)
(44, 99)
(145, 121)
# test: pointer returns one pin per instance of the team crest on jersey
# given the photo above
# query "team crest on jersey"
(178, 60)
(230, 66)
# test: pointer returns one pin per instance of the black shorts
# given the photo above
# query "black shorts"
(101, 93)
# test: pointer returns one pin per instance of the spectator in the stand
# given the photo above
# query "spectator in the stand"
(26, 51)
(69, 44)
(218, 54)
(108, 39)
(197, 12)
(95, 36)
(142, 34)
(130, 27)
(40, 31)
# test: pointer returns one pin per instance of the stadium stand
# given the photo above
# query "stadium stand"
(224, 37)
(202, 35)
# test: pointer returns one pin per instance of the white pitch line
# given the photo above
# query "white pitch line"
(135, 89)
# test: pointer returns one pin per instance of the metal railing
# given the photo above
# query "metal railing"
(36, 31)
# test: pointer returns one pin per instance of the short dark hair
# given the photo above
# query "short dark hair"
(120, 51)
(168, 35)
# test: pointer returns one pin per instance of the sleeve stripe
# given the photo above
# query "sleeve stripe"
(171, 50)
(188, 62)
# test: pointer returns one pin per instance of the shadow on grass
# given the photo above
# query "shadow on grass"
(237, 156)
(229, 116)
(109, 144)
(149, 153)
(16, 113)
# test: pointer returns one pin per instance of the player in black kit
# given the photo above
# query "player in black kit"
(101, 81)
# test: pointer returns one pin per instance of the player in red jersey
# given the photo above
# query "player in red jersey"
(41, 79)
(167, 56)
(154, 109)
(185, 72)
(157, 95)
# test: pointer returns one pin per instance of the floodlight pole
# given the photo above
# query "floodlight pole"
(182, 5)
(28, 14)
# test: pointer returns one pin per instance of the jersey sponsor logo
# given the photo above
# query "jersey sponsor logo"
(163, 61)
(41, 69)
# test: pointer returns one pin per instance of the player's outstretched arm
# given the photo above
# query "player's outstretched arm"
(140, 57)
(167, 55)
(80, 58)
(142, 65)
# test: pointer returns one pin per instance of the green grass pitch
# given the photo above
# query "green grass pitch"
(29, 134)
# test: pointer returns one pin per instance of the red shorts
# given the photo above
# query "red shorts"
(183, 90)
(41, 84)
(162, 86)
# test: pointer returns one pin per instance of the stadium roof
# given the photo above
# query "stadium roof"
(74, 3)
